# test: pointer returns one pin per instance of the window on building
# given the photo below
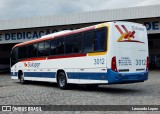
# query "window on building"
(150, 43)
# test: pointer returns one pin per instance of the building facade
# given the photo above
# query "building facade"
(16, 31)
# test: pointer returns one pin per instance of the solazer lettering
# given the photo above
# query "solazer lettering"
(31, 64)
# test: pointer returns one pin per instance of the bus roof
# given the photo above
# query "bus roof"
(61, 34)
(55, 35)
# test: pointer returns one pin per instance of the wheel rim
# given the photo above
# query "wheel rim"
(22, 79)
(62, 81)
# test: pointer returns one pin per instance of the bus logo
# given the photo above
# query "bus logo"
(25, 64)
(31, 64)
(126, 36)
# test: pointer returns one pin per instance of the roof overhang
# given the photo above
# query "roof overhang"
(86, 17)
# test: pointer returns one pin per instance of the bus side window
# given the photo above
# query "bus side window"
(41, 49)
(78, 48)
(32, 50)
(89, 42)
(69, 44)
(53, 50)
(22, 52)
(100, 40)
(46, 48)
(60, 46)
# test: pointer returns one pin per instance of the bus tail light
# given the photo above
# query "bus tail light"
(147, 63)
(113, 64)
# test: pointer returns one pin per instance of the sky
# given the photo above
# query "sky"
(16, 9)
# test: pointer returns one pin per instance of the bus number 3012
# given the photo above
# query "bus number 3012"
(140, 62)
(99, 61)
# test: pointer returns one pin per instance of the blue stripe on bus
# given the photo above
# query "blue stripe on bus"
(40, 74)
(111, 76)
(71, 75)
(36, 74)
(87, 76)
(91, 76)
(14, 74)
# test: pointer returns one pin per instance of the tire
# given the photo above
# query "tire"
(62, 81)
(21, 78)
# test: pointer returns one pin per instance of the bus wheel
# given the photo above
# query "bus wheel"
(21, 78)
(62, 81)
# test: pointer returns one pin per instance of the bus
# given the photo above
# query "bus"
(106, 53)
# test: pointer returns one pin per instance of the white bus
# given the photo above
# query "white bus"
(107, 53)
